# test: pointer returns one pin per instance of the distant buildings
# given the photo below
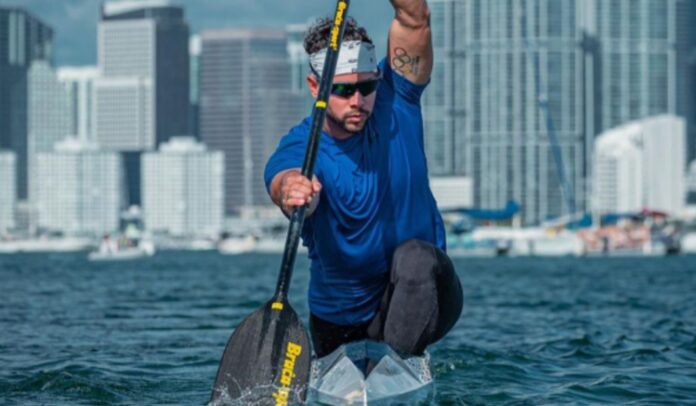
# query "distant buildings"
(510, 77)
(194, 72)
(641, 165)
(79, 82)
(691, 184)
(49, 119)
(79, 189)
(23, 40)
(8, 190)
(452, 192)
(299, 63)
(183, 189)
(444, 100)
(647, 61)
(246, 105)
(142, 97)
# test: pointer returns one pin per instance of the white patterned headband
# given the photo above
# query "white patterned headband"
(353, 57)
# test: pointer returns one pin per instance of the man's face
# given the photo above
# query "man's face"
(348, 112)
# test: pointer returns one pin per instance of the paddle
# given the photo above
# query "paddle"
(267, 358)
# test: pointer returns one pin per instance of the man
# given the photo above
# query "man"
(375, 237)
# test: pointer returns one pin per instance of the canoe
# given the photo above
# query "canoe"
(370, 373)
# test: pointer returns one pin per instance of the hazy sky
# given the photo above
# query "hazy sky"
(75, 21)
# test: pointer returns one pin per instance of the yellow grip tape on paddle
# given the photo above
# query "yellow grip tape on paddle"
(320, 104)
(277, 306)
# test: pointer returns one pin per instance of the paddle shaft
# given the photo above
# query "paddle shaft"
(318, 114)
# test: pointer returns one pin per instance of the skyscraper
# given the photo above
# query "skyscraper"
(194, 63)
(23, 39)
(79, 189)
(299, 63)
(183, 189)
(648, 52)
(79, 81)
(246, 105)
(641, 165)
(8, 190)
(444, 100)
(48, 115)
(507, 100)
(142, 97)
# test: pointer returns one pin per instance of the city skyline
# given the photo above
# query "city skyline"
(75, 21)
(512, 111)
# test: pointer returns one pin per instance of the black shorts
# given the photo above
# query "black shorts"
(420, 305)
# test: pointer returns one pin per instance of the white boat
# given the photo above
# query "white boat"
(688, 243)
(237, 245)
(45, 244)
(110, 250)
(369, 372)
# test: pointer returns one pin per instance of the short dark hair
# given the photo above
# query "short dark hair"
(317, 36)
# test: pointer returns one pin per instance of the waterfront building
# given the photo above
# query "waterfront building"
(452, 192)
(641, 165)
(49, 119)
(520, 89)
(79, 82)
(299, 63)
(691, 184)
(444, 99)
(246, 105)
(79, 189)
(647, 61)
(8, 190)
(183, 189)
(194, 71)
(23, 40)
(506, 100)
(142, 96)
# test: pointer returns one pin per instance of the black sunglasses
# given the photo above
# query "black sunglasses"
(365, 87)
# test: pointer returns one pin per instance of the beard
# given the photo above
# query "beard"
(349, 120)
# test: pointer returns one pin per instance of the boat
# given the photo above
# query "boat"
(237, 245)
(369, 372)
(112, 250)
(45, 244)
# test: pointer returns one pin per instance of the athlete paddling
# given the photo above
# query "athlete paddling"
(375, 237)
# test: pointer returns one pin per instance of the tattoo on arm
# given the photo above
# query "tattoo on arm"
(405, 63)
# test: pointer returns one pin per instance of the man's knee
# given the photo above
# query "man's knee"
(415, 261)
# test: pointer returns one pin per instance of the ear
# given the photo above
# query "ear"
(313, 85)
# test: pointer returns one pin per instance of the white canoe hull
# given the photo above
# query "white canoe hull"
(339, 378)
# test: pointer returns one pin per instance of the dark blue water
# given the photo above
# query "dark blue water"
(534, 331)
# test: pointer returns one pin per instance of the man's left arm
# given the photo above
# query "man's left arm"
(410, 40)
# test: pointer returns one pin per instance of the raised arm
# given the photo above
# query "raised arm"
(410, 40)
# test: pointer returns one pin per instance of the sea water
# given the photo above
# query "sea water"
(533, 331)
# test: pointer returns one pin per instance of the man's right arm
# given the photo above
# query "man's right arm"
(289, 189)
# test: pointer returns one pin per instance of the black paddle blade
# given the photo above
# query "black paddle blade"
(266, 361)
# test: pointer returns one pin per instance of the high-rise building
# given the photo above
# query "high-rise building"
(299, 63)
(49, 119)
(520, 89)
(648, 50)
(194, 63)
(246, 105)
(142, 97)
(23, 39)
(641, 165)
(691, 184)
(78, 82)
(183, 189)
(8, 190)
(79, 189)
(444, 100)
(507, 101)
